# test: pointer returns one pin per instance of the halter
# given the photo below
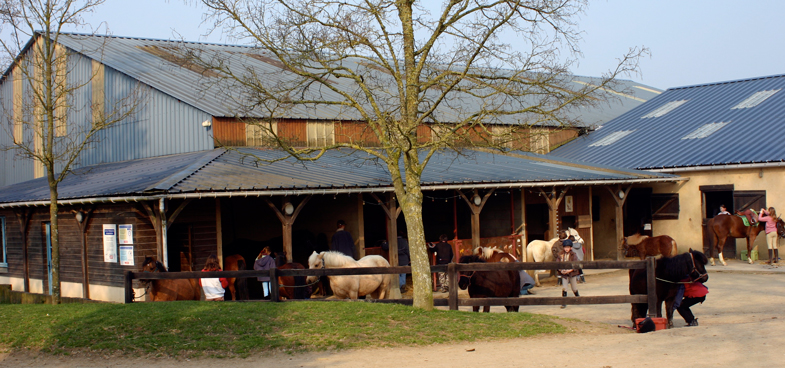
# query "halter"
(694, 270)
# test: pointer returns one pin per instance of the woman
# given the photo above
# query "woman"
(264, 262)
(214, 288)
(770, 218)
(568, 276)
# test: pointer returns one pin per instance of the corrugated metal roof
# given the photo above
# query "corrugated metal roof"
(749, 135)
(223, 170)
(146, 60)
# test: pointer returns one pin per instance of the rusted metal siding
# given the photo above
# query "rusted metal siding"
(228, 132)
(355, 132)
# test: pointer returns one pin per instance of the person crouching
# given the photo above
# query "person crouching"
(568, 276)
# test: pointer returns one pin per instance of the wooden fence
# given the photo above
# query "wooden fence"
(453, 302)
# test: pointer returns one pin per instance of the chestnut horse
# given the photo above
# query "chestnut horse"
(494, 255)
(489, 284)
(293, 287)
(237, 286)
(649, 246)
(169, 290)
(722, 227)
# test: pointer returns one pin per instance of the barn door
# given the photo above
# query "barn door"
(713, 196)
(744, 200)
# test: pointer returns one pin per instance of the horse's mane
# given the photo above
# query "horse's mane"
(158, 265)
(471, 259)
(636, 239)
(336, 259)
(486, 253)
(678, 267)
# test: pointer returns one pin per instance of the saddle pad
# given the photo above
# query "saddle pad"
(744, 219)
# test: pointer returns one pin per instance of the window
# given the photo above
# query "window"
(539, 142)
(665, 206)
(3, 259)
(706, 130)
(320, 134)
(755, 99)
(664, 109)
(611, 138)
(258, 134)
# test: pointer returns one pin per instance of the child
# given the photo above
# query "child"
(213, 287)
(264, 262)
(568, 275)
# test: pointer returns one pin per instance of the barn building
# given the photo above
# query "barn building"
(723, 136)
(161, 184)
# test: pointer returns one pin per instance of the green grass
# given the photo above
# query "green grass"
(239, 329)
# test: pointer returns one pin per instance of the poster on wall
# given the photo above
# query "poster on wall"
(125, 234)
(110, 243)
(568, 204)
(126, 255)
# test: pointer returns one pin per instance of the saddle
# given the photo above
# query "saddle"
(744, 218)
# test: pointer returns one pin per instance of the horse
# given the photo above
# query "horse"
(237, 286)
(723, 226)
(494, 255)
(293, 287)
(649, 246)
(669, 273)
(489, 284)
(169, 290)
(577, 244)
(540, 251)
(352, 286)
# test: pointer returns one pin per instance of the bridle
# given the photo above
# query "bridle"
(695, 270)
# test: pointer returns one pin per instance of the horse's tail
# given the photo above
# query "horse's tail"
(241, 283)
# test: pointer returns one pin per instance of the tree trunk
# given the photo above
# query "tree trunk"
(421, 268)
(55, 239)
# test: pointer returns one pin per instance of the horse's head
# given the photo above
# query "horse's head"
(464, 277)
(699, 261)
(316, 260)
(150, 264)
(781, 227)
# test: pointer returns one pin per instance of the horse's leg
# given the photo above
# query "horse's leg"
(750, 241)
(486, 309)
(669, 311)
(232, 289)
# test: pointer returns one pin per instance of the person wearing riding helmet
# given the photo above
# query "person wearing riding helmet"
(770, 218)
(568, 276)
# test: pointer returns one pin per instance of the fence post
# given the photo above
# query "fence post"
(651, 287)
(274, 285)
(129, 286)
(452, 300)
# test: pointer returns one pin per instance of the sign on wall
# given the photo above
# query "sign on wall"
(110, 243)
(125, 234)
(568, 204)
(126, 255)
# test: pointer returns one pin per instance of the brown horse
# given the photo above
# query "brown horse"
(489, 284)
(169, 290)
(293, 287)
(649, 246)
(494, 255)
(722, 227)
(237, 286)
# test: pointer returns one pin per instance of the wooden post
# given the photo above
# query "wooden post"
(476, 209)
(274, 291)
(453, 281)
(524, 238)
(553, 201)
(360, 225)
(85, 219)
(651, 287)
(591, 226)
(219, 243)
(24, 223)
(164, 227)
(129, 287)
(620, 196)
(287, 221)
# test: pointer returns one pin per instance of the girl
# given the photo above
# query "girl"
(264, 262)
(213, 287)
(770, 218)
(568, 275)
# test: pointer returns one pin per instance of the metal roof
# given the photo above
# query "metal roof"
(230, 171)
(708, 129)
(146, 60)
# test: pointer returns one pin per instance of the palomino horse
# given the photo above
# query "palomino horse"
(539, 251)
(352, 286)
(723, 226)
(670, 272)
(494, 255)
(169, 290)
(293, 287)
(239, 286)
(489, 284)
(649, 246)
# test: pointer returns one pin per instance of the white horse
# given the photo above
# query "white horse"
(352, 286)
(577, 245)
(539, 251)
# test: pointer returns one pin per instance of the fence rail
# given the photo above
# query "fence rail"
(452, 270)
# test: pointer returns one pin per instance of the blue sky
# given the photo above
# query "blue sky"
(691, 42)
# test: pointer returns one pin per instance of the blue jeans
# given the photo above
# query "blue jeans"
(402, 279)
(525, 289)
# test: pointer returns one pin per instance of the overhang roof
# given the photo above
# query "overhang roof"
(223, 172)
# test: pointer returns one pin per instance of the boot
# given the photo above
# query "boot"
(564, 295)
(693, 323)
(771, 257)
(576, 293)
(776, 256)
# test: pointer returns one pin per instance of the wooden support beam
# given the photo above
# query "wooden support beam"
(476, 209)
(23, 216)
(553, 199)
(83, 226)
(219, 236)
(287, 221)
(524, 237)
(360, 225)
(620, 196)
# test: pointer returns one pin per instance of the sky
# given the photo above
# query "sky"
(691, 42)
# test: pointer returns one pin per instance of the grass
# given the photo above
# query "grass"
(193, 329)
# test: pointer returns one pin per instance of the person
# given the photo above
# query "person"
(444, 255)
(723, 210)
(577, 247)
(527, 283)
(214, 288)
(689, 294)
(264, 261)
(770, 218)
(342, 240)
(752, 217)
(568, 276)
(403, 257)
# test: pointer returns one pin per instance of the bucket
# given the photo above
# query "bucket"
(660, 323)
(754, 255)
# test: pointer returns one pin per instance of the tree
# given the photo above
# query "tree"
(458, 74)
(46, 86)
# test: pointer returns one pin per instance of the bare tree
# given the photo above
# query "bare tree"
(42, 120)
(469, 73)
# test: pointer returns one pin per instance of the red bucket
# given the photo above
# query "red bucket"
(660, 323)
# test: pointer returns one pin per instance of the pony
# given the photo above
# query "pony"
(237, 286)
(489, 284)
(648, 246)
(577, 243)
(494, 255)
(722, 227)
(540, 251)
(169, 290)
(669, 272)
(293, 287)
(352, 286)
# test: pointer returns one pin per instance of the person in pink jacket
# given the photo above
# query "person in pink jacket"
(770, 218)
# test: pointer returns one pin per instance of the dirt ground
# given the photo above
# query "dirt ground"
(741, 325)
